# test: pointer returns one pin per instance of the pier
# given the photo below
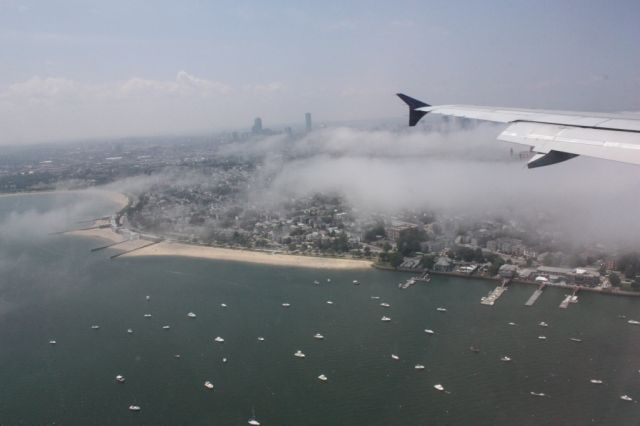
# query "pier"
(569, 298)
(535, 295)
(133, 249)
(491, 298)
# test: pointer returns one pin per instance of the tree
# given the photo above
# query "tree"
(374, 232)
(410, 239)
(614, 279)
(428, 261)
(367, 251)
(395, 259)
(495, 265)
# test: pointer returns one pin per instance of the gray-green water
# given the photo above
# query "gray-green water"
(52, 287)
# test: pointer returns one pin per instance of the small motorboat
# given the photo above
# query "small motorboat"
(177, 356)
(120, 378)
(224, 360)
(147, 315)
(394, 356)
(286, 305)
(356, 282)
(543, 324)
(316, 282)
(439, 387)
(385, 319)
(253, 422)
(95, 327)
(299, 354)
(428, 331)
(537, 394)
(260, 339)
(626, 398)
(419, 367)
(219, 339)
(322, 378)
(575, 339)
(52, 342)
(441, 309)
(191, 315)
(318, 336)
(223, 305)
(385, 305)
(130, 330)
(375, 297)
(542, 337)
(505, 358)
(596, 381)
(512, 323)
(148, 298)
(328, 280)
(134, 408)
(474, 349)
(329, 302)
(166, 327)
(634, 322)
(208, 385)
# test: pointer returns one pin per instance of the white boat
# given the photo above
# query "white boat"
(223, 305)
(260, 339)
(148, 297)
(95, 327)
(394, 356)
(208, 385)
(191, 315)
(134, 408)
(299, 354)
(224, 360)
(505, 358)
(439, 387)
(441, 309)
(318, 336)
(322, 378)
(329, 302)
(147, 315)
(385, 305)
(52, 342)
(626, 398)
(253, 422)
(356, 282)
(543, 324)
(375, 297)
(575, 339)
(328, 280)
(596, 381)
(537, 394)
(219, 339)
(512, 323)
(120, 378)
(166, 327)
(542, 337)
(385, 319)
(129, 330)
(286, 305)
(419, 367)
(634, 322)
(316, 282)
(428, 331)
(177, 356)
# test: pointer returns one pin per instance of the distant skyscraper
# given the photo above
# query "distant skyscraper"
(307, 119)
(257, 126)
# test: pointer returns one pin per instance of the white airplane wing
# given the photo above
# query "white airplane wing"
(554, 136)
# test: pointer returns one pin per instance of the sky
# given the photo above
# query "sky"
(105, 69)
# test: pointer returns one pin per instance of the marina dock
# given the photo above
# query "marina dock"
(569, 298)
(535, 295)
(491, 298)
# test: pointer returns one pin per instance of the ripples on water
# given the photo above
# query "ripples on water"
(54, 288)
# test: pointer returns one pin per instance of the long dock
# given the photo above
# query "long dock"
(132, 250)
(493, 296)
(569, 298)
(535, 295)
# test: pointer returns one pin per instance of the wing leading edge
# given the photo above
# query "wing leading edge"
(554, 136)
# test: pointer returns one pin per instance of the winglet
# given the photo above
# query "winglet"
(414, 115)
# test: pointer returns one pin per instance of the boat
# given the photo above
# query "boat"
(375, 297)
(129, 330)
(394, 356)
(543, 324)
(385, 319)
(328, 280)
(474, 349)
(52, 342)
(419, 367)
(223, 305)
(428, 331)
(356, 282)
(596, 381)
(634, 322)
(441, 309)
(191, 315)
(512, 323)
(329, 302)
(260, 339)
(626, 398)
(299, 354)
(166, 327)
(537, 394)
(148, 297)
(322, 378)
(95, 327)
(622, 316)
(120, 378)
(224, 360)
(575, 339)
(134, 408)
(505, 358)
(439, 387)
(542, 337)
(219, 339)
(318, 336)
(208, 385)
(147, 315)
(176, 356)
(253, 422)
(385, 305)
(316, 282)
(286, 305)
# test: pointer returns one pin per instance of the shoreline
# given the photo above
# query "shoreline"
(116, 197)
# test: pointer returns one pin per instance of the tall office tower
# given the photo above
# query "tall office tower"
(257, 126)
(307, 119)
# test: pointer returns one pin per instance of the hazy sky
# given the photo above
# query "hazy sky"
(75, 69)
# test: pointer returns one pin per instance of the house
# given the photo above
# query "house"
(443, 264)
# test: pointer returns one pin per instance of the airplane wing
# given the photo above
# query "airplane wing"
(554, 136)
